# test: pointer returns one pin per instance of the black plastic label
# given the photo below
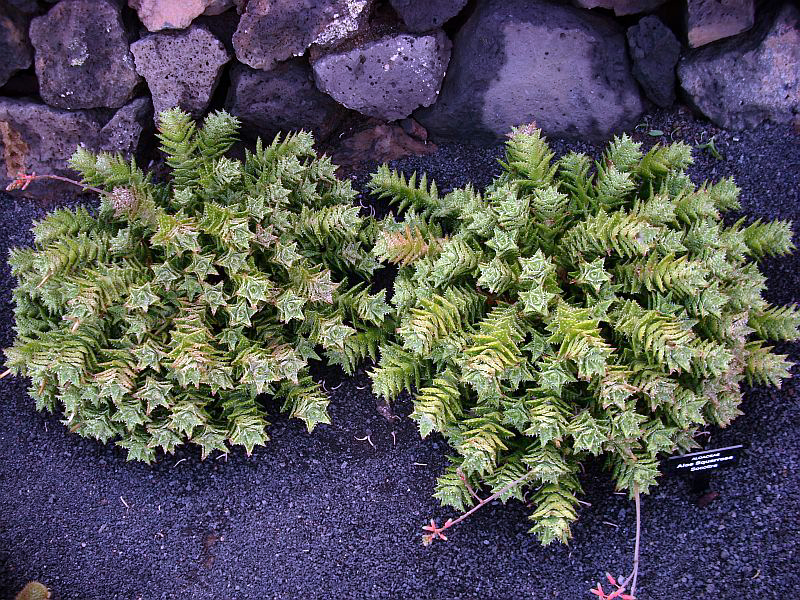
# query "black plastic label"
(706, 461)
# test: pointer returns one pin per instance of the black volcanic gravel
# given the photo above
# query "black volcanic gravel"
(328, 516)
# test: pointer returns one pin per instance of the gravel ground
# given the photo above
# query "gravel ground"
(330, 516)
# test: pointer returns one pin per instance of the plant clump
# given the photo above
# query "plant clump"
(162, 318)
(572, 311)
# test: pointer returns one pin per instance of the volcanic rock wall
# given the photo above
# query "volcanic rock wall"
(91, 71)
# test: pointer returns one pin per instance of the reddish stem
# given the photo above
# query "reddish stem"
(22, 181)
(466, 483)
(486, 501)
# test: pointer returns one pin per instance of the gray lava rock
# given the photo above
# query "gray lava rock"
(755, 77)
(128, 128)
(517, 61)
(422, 16)
(711, 20)
(37, 138)
(387, 78)
(273, 30)
(182, 69)
(15, 49)
(82, 55)
(622, 7)
(281, 99)
(168, 14)
(655, 51)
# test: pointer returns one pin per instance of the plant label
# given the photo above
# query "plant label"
(703, 462)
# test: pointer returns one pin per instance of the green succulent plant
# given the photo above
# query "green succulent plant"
(574, 310)
(162, 318)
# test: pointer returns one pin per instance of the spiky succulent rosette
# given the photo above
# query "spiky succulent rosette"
(161, 319)
(574, 310)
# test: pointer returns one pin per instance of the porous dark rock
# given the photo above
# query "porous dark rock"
(621, 7)
(281, 99)
(518, 61)
(169, 14)
(423, 16)
(128, 129)
(181, 68)
(654, 51)
(273, 30)
(15, 49)
(711, 20)
(387, 78)
(82, 57)
(755, 77)
(35, 137)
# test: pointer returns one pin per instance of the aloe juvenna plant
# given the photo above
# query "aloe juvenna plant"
(162, 318)
(574, 310)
